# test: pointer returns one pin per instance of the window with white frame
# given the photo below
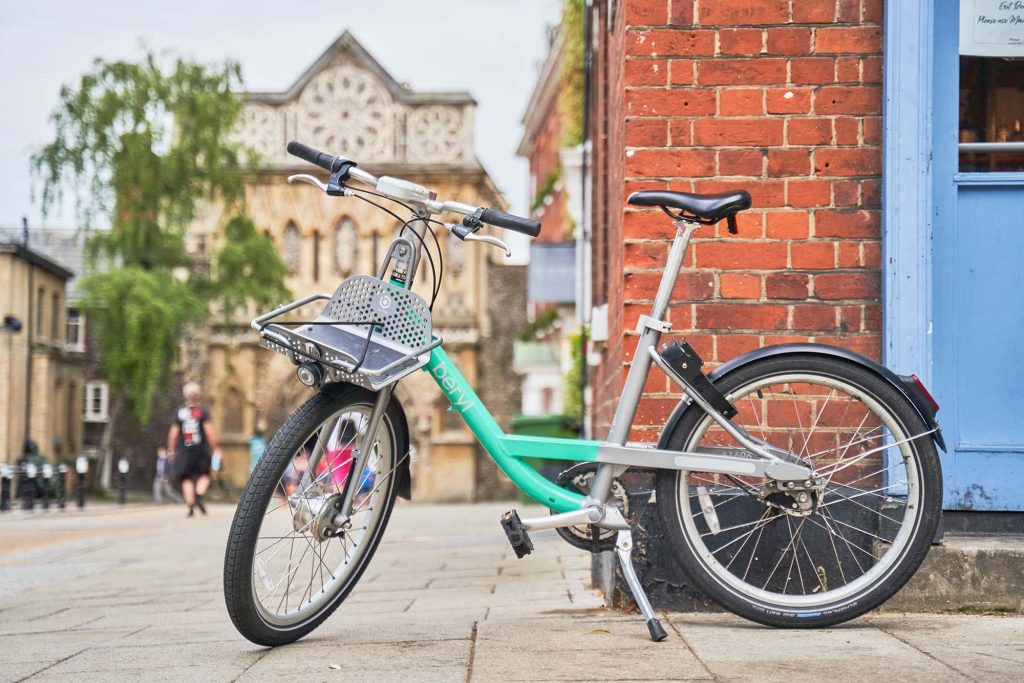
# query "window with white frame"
(96, 399)
(75, 330)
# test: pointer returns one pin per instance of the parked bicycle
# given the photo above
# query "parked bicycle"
(798, 485)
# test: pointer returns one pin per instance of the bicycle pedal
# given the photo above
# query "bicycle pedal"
(516, 533)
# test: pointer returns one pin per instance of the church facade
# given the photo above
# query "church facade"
(346, 103)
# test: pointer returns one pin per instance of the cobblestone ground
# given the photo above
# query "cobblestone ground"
(135, 594)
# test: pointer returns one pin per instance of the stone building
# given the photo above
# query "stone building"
(346, 103)
(41, 357)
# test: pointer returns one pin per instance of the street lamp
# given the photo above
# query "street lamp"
(62, 484)
(81, 467)
(122, 480)
(47, 481)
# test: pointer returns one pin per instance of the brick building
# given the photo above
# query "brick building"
(555, 198)
(784, 98)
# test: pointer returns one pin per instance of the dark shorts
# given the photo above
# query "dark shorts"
(194, 464)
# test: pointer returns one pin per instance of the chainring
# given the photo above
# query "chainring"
(577, 479)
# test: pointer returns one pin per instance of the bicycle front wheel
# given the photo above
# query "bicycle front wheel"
(283, 576)
(807, 558)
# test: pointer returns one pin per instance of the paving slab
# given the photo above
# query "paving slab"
(135, 594)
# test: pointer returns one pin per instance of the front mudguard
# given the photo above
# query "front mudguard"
(905, 384)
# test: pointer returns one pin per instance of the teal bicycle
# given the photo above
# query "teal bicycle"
(797, 485)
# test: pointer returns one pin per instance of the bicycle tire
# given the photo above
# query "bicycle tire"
(239, 559)
(687, 525)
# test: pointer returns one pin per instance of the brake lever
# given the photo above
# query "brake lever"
(487, 239)
(306, 178)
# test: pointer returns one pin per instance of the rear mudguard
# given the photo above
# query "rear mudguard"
(905, 384)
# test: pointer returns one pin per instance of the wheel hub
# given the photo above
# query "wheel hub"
(324, 526)
(795, 498)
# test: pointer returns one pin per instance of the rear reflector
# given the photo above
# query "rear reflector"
(925, 392)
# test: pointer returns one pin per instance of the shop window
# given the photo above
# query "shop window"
(991, 86)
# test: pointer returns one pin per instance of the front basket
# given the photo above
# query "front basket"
(370, 332)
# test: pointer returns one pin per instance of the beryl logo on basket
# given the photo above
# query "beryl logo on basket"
(455, 393)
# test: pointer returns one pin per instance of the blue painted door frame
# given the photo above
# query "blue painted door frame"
(953, 247)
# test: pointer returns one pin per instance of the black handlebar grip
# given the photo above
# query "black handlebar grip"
(306, 153)
(510, 222)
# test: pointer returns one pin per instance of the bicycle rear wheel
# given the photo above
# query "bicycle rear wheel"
(282, 576)
(749, 544)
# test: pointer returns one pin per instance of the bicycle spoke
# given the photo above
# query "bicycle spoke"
(817, 417)
(748, 535)
(723, 547)
(856, 502)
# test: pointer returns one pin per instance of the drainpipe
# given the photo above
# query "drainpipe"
(583, 259)
(29, 337)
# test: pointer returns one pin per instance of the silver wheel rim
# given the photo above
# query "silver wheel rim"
(294, 577)
(907, 478)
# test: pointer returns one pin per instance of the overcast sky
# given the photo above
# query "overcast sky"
(493, 49)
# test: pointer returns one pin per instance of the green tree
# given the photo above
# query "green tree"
(571, 81)
(142, 145)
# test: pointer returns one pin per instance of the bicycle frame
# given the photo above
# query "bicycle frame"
(614, 455)
(752, 457)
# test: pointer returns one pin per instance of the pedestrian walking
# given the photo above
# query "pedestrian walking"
(162, 480)
(192, 441)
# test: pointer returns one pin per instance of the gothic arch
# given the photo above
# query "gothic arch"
(291, 247)
(233, 411)
(345, 247)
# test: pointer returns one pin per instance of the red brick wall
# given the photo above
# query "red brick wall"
(544, 160)
(780, 97)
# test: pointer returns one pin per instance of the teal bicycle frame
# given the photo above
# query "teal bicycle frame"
(509, 450)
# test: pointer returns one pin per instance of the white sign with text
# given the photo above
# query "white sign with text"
(992, 28)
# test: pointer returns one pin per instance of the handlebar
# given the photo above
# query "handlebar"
(404, 191)
(510, 222)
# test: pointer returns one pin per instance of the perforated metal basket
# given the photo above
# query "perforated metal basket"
(371, 333)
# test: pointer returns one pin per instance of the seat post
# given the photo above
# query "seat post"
(684, 229)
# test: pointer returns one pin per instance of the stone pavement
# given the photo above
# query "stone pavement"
(134, 594)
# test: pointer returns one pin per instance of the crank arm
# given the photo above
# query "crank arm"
(604, 516)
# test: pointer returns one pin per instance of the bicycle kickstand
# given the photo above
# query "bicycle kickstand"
(624, 550)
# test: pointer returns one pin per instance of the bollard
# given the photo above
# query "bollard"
(81, 467)
(62, 486)
(6, 473)
(122, 480)
(27, 487)
(47, 485)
